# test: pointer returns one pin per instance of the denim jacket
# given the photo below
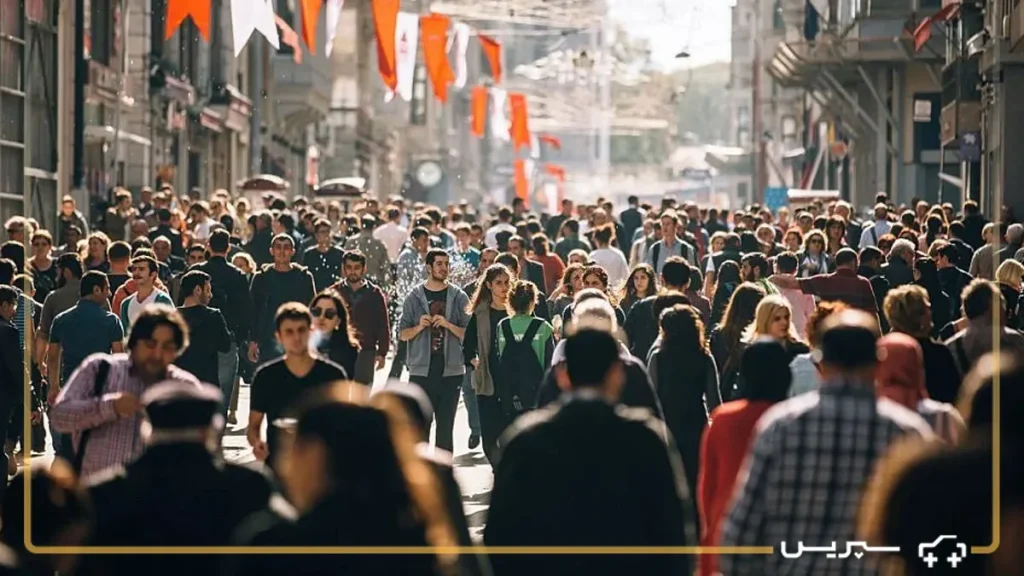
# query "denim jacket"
(418, 350)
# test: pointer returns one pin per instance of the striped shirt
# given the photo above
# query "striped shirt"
(114, 441)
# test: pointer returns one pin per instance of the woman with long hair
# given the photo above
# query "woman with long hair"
(334, 337)
(926, 275)
(900, 378)
(640, 284)
(774, 319)
(793, 239)
(835, 235)
(596, 277)
(1009, 275)
(813, 259)
(726, 282)
(95, 257)
(908, 310)
(727, 338)
(391, 498)
(725, 443)
(487, 308)
(685, 376)
(935, 229)
(568, 286)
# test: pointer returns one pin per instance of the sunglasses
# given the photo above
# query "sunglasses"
(329, 313)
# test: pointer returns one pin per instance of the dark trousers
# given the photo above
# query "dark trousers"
(9, 403)
(443, 393)
(493, 422)
(366, 364)
(398, 363)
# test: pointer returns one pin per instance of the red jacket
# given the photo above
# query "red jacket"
(722, 453)
(369, 316)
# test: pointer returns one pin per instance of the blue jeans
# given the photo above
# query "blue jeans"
(227, 371)
(469, 397)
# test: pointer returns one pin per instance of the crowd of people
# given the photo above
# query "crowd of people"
(660, 376)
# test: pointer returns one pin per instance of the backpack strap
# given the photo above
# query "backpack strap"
(506, 331)
(655, 253)
(532, 330)
(102, 371)
(874, 234)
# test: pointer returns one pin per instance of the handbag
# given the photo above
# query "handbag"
(97, 390)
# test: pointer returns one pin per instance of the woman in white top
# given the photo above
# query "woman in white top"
(608, 257)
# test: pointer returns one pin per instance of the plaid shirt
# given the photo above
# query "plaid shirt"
(114, 441)
(804, 476)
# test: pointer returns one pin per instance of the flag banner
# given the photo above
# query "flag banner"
(519, 129)
(178, 10)
(478, 107)
(499, 119)
(289, 38)
(552, 141)
(385, 20)
(310, 12)
(461, 32)
(434, 38)
(522, 182)
(248, 16)
(407, 32)
(333, 15)
(492, 49)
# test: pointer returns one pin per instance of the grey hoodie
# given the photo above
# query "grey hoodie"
(418, 350)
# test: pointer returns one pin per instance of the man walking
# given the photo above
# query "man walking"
(282, 283)
(368, 314)
(207, 330)
(144, 273)
(434, 321)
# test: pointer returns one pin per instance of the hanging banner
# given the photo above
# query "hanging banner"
(289, 38)
(552, 141)
(478, 109)
(499, 120)
(248, 16)
(333, 15)
(309, 10)
(178, 10)
(434, 37)
(385, 20)
(519, 129)
(522, 182)
(407, 32)
(492, 49)
(461, 33)
(556, 171)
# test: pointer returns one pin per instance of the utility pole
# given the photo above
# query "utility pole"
(757, 140)
(122, 92)
(81, 71)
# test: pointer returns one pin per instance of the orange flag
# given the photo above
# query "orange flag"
(557, 171)
(289, 38)
(492, 49)
(434, 38)
(520, 127)
(522, 182)
(550, 140)
(478, 105)
(385, 20)
(310, 10)
(178, 10)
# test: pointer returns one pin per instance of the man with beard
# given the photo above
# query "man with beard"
(434, 321)
(99, 406)
(367, 313)
(754, 268)
(323, 260)
(273, 286)
(206, 326)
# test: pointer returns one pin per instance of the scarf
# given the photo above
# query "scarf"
(483, 384)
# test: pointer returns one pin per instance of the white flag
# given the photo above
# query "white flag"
(334, 8)
(407, 39)
(461, 42)
(499, 120)
(248, 16)
(534, 147)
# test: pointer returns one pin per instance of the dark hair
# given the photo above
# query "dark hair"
(765, 372)
(978, 297)
(354, 256)
(522, 298)
(419, 232)
(482, 296)
(220, 240)
(757, 260)
(845, 257)
(292, 311)
(589, 355)
(92, 280)
(14, 251)
(605, 234)
(283, 237)
(502, 239)
(929, 275)
(629, 288)
(508, 260)
(739, 313)
(119, 251)
(675, 272)
(786, 262)
(728, 271)
(572, 225)
(433, 254)
(667, 300)
(540, 244)
(191, 280)
(58, 503)
(149, 261)
(7, 270)
(8, 295)
(143, 242)
(682, 330)
(345, 328)
(71, 262)
(154, 316)
(870, 254)
(505, 214)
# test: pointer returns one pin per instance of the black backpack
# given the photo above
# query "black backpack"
(520, 372)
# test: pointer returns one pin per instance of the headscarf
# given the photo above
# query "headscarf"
(901, 370)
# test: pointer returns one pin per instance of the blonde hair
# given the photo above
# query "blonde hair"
(763, 316)
(1010, 272)
(906, 308)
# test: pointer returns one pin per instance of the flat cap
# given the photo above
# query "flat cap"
(174, 404)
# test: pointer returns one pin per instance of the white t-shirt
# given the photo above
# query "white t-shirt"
(612, 260)
(491, 237)
(135, 307)
(202, 231)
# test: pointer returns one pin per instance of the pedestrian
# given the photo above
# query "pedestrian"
(323, 259)
(596, 277)
(272, 287)
(208, 331)
(525, 344)
(562, 297)
(144, 275)
(843, 285)
(514, 265)
(333, 336)
(178, 492)
(95, 257)
(278, 383)
(636, 493)
(66, 295)
(12, 371)
(726, 339)
(391, 498)
(724, 446)
(433, 322)
(985, 314)
(862, 425)
(774, 319)
(608, 257)
(641, 283)
(684, 374)
(375, 253)
(901, 379)
(368, 315)
(487, 308)
(99, 405)
(726, 283)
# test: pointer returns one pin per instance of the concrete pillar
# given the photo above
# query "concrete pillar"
(1009, 170)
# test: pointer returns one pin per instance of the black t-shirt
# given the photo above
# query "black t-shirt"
(116, 281)
(275, 389)
(438, 304)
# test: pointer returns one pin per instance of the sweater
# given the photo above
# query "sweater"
(368, 313)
